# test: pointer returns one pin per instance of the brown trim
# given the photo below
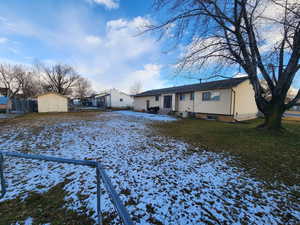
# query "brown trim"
(219, 117)
(214, 114)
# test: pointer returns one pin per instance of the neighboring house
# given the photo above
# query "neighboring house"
(87, 101)
(293, 113)
(296, 107)
(52, 102)
(229, 100)
(113, 98)
(4, 103)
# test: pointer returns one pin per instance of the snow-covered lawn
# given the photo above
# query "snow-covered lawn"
(161, 180)
(146, 116)
(7, 116)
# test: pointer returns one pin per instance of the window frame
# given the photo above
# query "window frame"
(206, 96)
(192, 96)
(181, 97)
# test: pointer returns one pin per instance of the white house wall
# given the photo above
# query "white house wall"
(245, 105)
(140, 103)
(214, 107)
(115, 99)
(185, 105)
(241, 104)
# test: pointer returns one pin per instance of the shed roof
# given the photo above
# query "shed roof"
(55, 93)
(101, 95)
(219, 84)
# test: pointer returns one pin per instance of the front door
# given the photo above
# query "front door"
(167, 101)
(148, 104)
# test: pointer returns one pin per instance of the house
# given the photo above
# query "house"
(5, 103)
(296, 107)
(229, 100)
(113, 98)
(52, 102)
(86, 101)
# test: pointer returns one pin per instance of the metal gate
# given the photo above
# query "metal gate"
(24, 106)
(100, 176)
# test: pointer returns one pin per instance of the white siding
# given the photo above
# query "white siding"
(215, 107)
(140, 103)
(185, 105)
(245, 105)
(115, 99)
(241, 104)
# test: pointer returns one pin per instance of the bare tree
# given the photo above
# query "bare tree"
(11, 78)
(59, 78)
(136, 88)
(30, 85)
(260, 37)
(82, 88)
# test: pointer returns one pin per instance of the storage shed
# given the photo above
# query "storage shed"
(4, 103)
(52, 102)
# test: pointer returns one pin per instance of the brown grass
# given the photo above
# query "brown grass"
(44, 208)
(271, 157)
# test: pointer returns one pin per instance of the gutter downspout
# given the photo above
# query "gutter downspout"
(233, 91)
(194, 93)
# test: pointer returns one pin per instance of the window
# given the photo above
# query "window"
(205, 96)
(157, 98)
(210, 96)
(215, 96)
(121, 99)
(192, 96)
(181, 97)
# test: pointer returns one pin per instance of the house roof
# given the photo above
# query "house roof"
(47, 93)
(101, 95)
(219, 84)
(109, 92)
(3, 100)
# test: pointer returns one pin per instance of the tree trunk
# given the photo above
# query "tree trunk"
(273, 117)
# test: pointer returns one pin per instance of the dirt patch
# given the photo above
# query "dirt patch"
(48, 207)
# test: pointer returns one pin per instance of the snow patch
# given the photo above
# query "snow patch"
(148, 116)
(158, 178)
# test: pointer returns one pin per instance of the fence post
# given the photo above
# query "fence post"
(98, 195)
(101, 176)
(2, 180)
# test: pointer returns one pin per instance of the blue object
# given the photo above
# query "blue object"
(3, 100)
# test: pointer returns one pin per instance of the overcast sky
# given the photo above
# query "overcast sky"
(98, 37)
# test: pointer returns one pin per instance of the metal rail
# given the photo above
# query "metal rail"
(100, 176)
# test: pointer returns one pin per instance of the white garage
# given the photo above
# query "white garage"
(52, 102)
